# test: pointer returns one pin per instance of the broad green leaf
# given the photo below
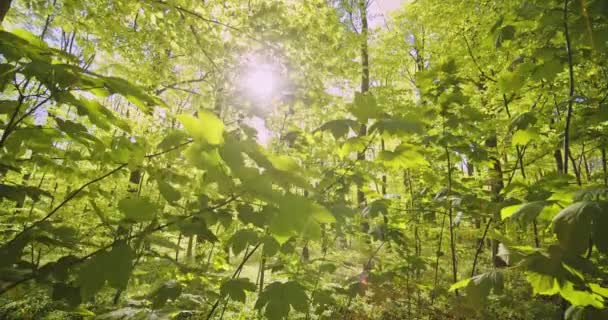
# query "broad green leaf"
(600, 229)
(298, 214)
(354, 144)
(460, 284)
(573, 225)
(247, 215)
(114, 266)
(121, 259)
(137, 209)
(404, 156)
(196, 226)
(576, 312)
(340, 128)
(478, 288)
(8, 106)
(91, 277)
(523, 137)
(131, 92)
(242, 239)
(503, 34)
(523, 121)
(11, 252)
(68, 293)
(581, 297)
(172, 139)
(542, 283)
(284, 163)
(397, 127)
(526, 212)
(271, 246)
(278, 299)
(168, 192)
(168, 290)
(18, 193)
(235, 289)
(207, 128)
(365, 107)
(379, 206)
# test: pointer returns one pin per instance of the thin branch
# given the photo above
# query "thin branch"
(570, 91)
(480, 246)
(103, 248)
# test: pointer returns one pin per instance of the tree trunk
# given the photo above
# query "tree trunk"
(364, 83)
(4, 6)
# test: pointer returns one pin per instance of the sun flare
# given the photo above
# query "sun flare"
(260, 79)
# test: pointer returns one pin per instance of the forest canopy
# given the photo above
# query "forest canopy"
(303, 159)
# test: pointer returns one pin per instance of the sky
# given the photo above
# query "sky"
(380, 11)
(379, 14)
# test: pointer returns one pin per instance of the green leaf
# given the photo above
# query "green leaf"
(504, 33)
(397, 127)
(600, 229)
(576, 312)
(168, 290)
(375, 207)
(404, 156)
(114, 266)
(298, 214)
(460, 284)
(271, 246)
(523, 121)
(365, 107)
(121, 259)
(548, 70)
(523, 137)
(340, 128)
(581, 297)
(526, 212)
(235, 289)
(197, 226)
(69, 294)
(91, 277)
(137, 209)
(208, 128)
(18, 193)
(11, 252)
(131, 92)
(278, 299)
(173, 139)
(168, 192)
(354, 144)
(572, 225)
(8, 106)
(247, 215)
(241, 239)
(478, 288)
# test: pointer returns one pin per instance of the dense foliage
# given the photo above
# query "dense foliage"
(450, 164)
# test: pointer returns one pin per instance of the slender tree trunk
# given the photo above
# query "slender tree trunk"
(179, 241)
(382, 148)
(497, 186)
(536, 238)
(190, 246)
(604, 167)
(480, 247)
(587, 168)
(570, 89)
(559, 160)
(262, 270)
(364, 82)
(5, 5)
(438, 254)
(451, 220)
